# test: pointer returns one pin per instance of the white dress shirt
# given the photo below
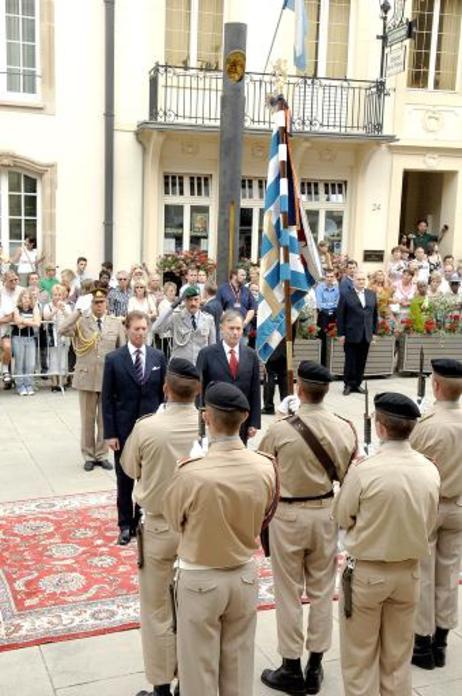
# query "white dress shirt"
(362, 297)
(228, 350)
(133, 350)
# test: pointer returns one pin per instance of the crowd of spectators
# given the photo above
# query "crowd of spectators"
(35, 299)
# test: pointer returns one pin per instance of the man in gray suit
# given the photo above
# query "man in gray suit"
(191, 329)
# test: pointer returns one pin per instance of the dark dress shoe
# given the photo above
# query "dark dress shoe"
(439, 645)
(105, 464)
(89, 465)
(346, 390)
(268, 411)
(124, 536)
(162, 690)
(288, 678)
(360, 390)
(314, 673)
(422, 655)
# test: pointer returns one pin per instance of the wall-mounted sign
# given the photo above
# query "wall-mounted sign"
(373, 256)
(396, 60)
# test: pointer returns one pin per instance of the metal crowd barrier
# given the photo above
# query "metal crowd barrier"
(45, 337)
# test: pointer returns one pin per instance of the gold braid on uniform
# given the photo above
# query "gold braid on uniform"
(85, 345)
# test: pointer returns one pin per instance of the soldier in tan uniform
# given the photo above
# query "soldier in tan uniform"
(218, 504)
(303, 536)
(388, 504)
(94, 334)
(150, 456)
(438, 435)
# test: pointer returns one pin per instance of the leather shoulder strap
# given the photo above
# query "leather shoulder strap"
(315, 446)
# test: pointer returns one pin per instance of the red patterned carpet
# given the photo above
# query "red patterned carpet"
(62, 575)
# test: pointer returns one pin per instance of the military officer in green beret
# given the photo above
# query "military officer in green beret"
(191, 329)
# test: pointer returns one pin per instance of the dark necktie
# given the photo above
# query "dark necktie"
(139, 366)
(233, 363)
(193, 322)
(100, 325)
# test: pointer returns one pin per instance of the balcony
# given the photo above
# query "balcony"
(189, 98)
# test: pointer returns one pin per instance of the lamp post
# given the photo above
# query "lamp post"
(385, 8)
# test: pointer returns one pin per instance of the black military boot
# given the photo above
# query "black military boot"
(162, 690)
(314, 673)
(422, 655)
(288, 678)
(439, 645)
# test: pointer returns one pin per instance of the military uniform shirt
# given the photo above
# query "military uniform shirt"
(438, 435)
(218, 504)
(151, 452)
(301, 472)
(388, 504)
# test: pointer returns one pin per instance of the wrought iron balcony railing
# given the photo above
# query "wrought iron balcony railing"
(190, 97)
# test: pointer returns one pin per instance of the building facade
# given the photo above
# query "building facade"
(370, 162)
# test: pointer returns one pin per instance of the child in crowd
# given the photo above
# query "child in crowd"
(26, 320)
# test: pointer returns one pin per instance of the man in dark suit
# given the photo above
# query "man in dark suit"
(133, 385)
(357, 325)
(213, 306)
(231, 361)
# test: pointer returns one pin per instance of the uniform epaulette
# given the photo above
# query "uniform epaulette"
(426, 416)
(187, 460)
(147, 415)
(267, 455)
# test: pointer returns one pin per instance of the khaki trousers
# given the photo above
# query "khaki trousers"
(91, 418)
(303, 541)
(376, 641)
(217, 615)
(160, 545)
(440, 571)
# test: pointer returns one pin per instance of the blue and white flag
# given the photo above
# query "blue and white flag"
(301, 29)
(304, 267)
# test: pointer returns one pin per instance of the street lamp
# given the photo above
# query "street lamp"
(385, 8)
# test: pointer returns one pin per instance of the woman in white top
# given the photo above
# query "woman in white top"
(170, 290)
(26, 258)
(404, 292)
(143, 302)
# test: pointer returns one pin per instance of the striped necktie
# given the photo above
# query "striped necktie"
(139, 366)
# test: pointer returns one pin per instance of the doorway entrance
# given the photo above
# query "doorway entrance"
(422, 198)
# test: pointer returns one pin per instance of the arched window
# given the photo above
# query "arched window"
(19, 208)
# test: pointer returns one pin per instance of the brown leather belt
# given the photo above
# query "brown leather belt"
(330, 494)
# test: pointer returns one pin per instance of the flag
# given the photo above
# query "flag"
(301, 29)
(304, 267)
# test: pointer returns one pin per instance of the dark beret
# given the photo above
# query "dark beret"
(311, 371)
(183, 368)
(447, 367)
(226, 397)
(191, 292)
(397, 405)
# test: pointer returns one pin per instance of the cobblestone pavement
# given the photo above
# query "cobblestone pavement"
(39, 445)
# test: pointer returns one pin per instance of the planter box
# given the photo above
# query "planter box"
(309, 349)
(435, 346)
(380, 360)
(306, 349)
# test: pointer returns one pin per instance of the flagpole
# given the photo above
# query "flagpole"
(274, 38)
(282, 106)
